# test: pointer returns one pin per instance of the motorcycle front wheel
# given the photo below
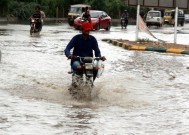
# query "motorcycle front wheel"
(31, 29)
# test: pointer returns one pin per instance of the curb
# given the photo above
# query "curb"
(128, 46)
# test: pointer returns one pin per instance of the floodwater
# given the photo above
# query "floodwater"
(139, 93)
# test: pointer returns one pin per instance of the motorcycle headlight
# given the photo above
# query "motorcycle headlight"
(88, 66)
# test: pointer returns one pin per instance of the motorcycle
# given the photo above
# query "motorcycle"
(35, 26)
(83, 19)
(83, 79)
(124, 23)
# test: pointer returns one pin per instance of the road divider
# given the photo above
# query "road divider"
(128, 46)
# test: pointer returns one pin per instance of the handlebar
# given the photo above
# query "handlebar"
(35, 18)
(94, 58)
(81, 58)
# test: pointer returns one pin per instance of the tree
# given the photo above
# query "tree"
(4, 6)
(112, 7)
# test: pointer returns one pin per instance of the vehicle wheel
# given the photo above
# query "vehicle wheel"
(71, 23)
(121, 25)
(31, 30)
(77, 28)
(108, 27)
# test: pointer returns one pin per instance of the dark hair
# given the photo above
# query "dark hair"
(86, 8)
(37, 7)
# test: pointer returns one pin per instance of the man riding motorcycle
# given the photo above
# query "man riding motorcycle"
(38, 17)
(125, 16)
(83, 46)
(86, 16)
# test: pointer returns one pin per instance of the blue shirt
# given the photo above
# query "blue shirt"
(83, 47)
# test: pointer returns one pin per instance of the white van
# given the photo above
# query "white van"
(154, 18)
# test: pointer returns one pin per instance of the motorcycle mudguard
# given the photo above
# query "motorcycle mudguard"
(101, 68)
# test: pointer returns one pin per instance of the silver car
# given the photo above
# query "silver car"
(154, 18)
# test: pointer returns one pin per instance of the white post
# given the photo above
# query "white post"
(138, 11)
(176, 18)
(0, 56)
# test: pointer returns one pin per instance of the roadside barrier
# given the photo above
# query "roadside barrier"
(126, 45)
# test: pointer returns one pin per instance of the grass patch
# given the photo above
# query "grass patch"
(144, 40)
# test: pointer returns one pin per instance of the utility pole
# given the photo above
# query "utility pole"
(176, 19)
(137, 18)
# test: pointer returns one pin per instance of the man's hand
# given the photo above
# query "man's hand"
(103, 58)
(70, 56)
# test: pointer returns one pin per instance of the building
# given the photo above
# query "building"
(182, 4)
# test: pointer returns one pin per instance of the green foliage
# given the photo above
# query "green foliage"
(24, 8)
(187, 12)
(143, 11)
(4, 4)
(112, 7)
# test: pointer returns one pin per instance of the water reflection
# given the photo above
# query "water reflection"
(3, 32)
(80, 120)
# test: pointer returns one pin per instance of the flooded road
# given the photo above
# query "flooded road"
(140, 93)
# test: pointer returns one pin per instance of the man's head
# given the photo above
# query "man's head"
(87, 8)
(86, 27)
(125, 11)
(37, 8)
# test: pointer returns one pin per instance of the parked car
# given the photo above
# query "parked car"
(100, 20)
(186, 18)
(154, 18)
(75, 11)
(169, 17)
